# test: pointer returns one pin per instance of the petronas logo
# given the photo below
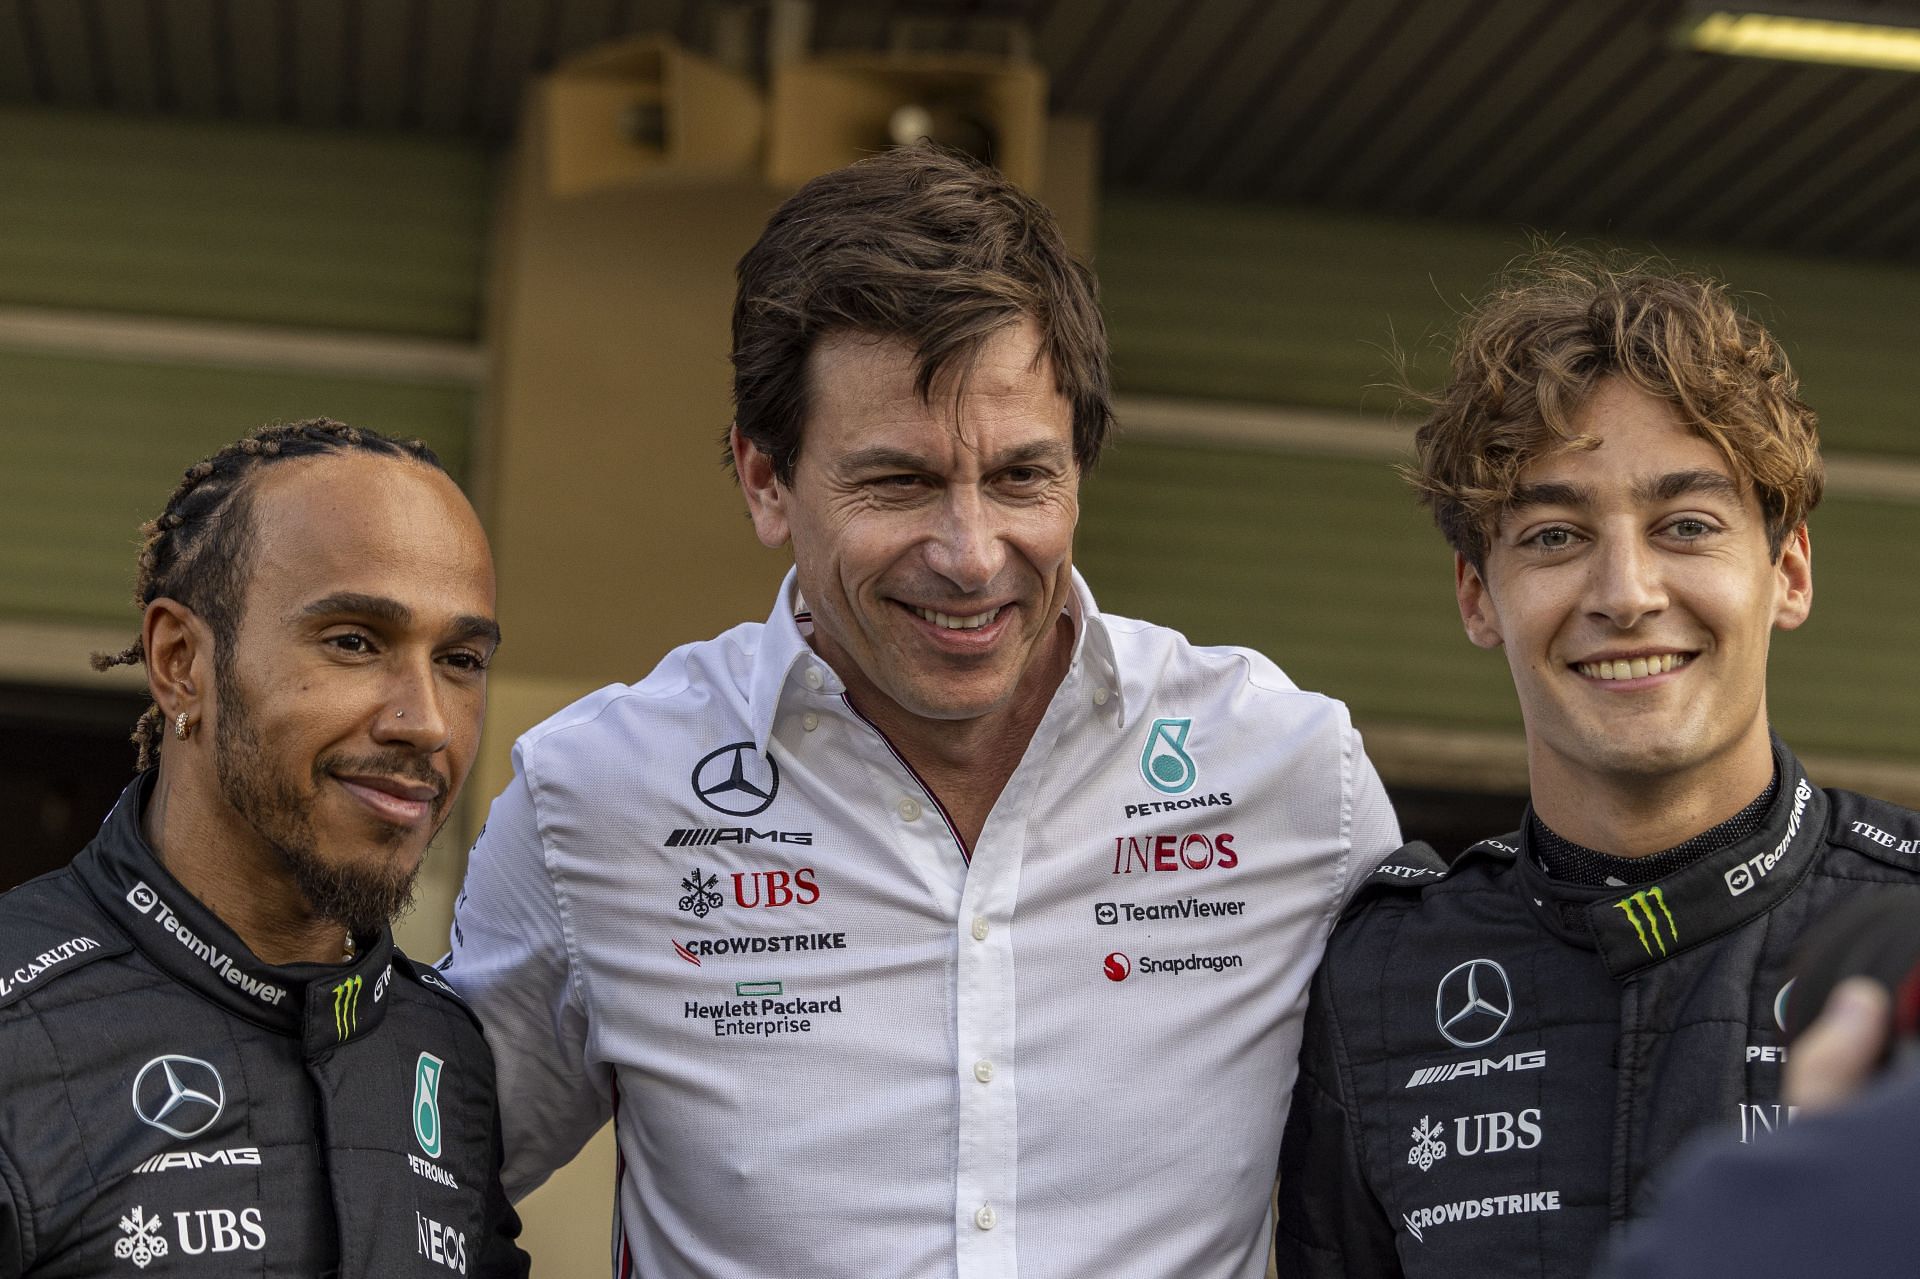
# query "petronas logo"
(1165, 762)
(426, 1103)
(1639, 910)
(346, 1007)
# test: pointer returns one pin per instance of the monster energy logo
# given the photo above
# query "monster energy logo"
(1640, 907)
(346, 1007)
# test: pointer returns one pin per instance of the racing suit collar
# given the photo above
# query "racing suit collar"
(1635, 928)
(783, 657)
(322, 1004)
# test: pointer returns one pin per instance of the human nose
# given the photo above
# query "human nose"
(413, 715)
(1624, 583)
(966, 546)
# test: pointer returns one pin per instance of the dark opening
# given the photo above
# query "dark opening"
(1451, 820)
(64, 759)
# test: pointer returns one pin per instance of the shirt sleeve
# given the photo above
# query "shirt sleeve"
(1329, 1224)
(1376, 831)
(510, 962)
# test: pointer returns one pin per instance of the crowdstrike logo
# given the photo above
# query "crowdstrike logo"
(147, 903)
(1421, 1220)
(181, 1096)
(1473, 1004)
(736, 780)
(776, 944)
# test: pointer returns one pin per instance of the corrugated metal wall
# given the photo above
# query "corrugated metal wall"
(289, 229)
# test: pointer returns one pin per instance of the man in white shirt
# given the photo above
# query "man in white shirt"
(939, 925)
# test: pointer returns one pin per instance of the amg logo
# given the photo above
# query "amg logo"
(239, 1156)
(1535, 1059)
(701, 836)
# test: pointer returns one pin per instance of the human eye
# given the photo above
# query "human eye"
(467, 661)
(1691, 528)
(351, 643)
(1557, 537)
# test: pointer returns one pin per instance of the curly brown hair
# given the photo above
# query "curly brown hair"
(195, 550)
(926, 245)
(1559, 323)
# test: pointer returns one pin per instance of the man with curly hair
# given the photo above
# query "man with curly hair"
(1500, 1052)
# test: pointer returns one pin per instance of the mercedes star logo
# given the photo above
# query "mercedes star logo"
(178, 1095)
(736, 781)
(1473, 1003)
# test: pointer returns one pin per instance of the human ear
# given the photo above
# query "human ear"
(1795, 575)
(766, 495)
(1477, 611)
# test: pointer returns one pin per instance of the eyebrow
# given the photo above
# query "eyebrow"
(1663, 488)
(382, 608)
(882, 457)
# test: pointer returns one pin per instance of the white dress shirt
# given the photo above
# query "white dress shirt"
(719, 907)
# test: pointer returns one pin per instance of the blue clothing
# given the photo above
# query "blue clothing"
(1831, 1195)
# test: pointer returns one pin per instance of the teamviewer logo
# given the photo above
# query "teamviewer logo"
(1106, 913)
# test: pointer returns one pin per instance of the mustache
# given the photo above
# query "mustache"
(403, 764)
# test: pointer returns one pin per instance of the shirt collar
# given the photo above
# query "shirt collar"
(785, 662)
(1640, 926)
(322, 1004)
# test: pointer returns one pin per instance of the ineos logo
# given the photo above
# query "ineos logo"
(178, 1095)
(1473, 1003)
(736, 780)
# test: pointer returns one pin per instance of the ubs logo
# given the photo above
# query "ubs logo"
(1473, 1004)
(736, 780)
(178, 1095)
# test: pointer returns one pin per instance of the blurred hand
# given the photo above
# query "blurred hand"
(1841, 1049)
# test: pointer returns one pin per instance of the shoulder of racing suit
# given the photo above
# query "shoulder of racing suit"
(49, 928)
(1418, 866)
(1884, 831)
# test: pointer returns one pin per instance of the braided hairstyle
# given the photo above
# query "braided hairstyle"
(195, 550)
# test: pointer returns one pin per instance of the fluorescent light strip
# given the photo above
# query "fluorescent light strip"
(1768, 35)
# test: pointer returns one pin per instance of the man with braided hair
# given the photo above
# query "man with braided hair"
(211, 1053)
(1502, 1053)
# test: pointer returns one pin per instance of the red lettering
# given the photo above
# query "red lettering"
(1223, 844)
(778, 894)
(740, 892)
(1189, 862)
(809, 888)
(1163, 846)
(1126, 851)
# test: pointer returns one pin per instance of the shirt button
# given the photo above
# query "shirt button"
(983, 1071)
(909, 809)
(985, 1217)
(814, 678)
(1099, 697)
(809, 721)
(979, 927)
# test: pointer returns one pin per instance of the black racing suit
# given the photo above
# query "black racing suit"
(169, 1105)
(1495, 1060)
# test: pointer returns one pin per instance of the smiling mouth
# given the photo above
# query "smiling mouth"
(950, 622)
(1633, 667)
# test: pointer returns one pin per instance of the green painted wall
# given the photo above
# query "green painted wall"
(363, 232)
(1242, 302)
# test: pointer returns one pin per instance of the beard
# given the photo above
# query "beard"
(364, 897)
